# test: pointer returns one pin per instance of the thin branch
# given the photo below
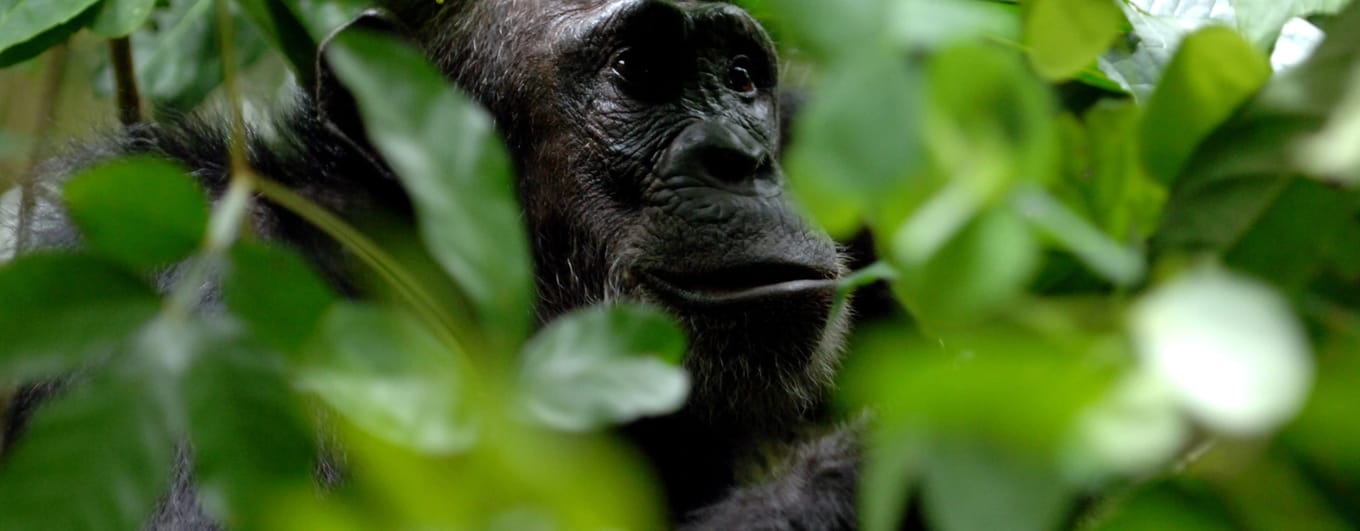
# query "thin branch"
(125, 76)
(47, 103)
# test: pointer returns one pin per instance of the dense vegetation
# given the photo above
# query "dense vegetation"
(1124, 236)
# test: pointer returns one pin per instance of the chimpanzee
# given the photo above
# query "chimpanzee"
(644, 134)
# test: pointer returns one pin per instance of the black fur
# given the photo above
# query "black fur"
(619, 181)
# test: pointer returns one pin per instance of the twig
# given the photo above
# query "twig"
(125, 76)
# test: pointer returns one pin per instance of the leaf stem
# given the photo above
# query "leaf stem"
(125, 78)
(383, 264)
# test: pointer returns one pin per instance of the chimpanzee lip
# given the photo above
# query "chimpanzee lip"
(739, 283)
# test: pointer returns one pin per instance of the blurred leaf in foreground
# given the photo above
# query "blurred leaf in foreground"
(386, 373)
(604, 365)
(1229, 347)
(451, 161)
(144, 212)
(58, 312)
(98, 457)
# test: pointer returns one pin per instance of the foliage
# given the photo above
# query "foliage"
(1150, 299)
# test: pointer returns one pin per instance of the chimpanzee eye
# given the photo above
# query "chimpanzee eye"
(630, 66)
(739, 75)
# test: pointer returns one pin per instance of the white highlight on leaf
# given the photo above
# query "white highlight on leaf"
(1229, 348)
(1134, 430)
(1160, 25)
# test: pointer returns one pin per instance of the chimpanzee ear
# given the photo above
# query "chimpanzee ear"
(335, 107)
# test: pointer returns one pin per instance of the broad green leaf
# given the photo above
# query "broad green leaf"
(602, 366)
(1240, 172)
(1066, 36)
(177, 60)
(855, 140)
(933, 24)
(1213, 73)
(118, 18)
(1229, 347)
(276, 294)
(451, 161)
(387, 374)
(976, 384)
(26, 21)
(250, 444)
(283, 30)
(23, 51)
(142, 212)
(58, 312)
(322, 19)
(1160, 25)
(1289, 243)
(987, 264)
(97, 457)
(860, 26)
(968, 487)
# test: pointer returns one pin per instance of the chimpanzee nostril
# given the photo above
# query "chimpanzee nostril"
(718, 152)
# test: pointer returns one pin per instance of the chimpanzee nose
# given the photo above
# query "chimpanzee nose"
(718, 152)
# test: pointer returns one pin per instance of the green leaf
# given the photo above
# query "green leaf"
(604, 365)
(855, 140)
(118, 18)
(390, 376)
(97, 457)
(987, 264)
(1212, 74)
(1118, 264)
(451, 161)
(968, 487)
(41, 42)
(25, 21)
(283, 30)
(142, 212)
(1243, 170)
(250, 443)
(1290, 242)
(1066, 36)
(1230, 349)
(61, 311)
(276, 294)
(176, 54)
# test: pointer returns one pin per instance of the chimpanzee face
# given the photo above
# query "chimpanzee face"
(645, 135)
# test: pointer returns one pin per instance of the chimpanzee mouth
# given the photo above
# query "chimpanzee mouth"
(740, 283)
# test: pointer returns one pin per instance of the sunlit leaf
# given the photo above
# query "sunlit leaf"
(276, 293)
(1213, 73)
(97, 457)
(451, 161)
(117, 18)
(988, 263)
(1065, 36)
(60, 311)
(604, 365)
(1134, 430)
(1229, 347)
(383, 371)
(142, 212)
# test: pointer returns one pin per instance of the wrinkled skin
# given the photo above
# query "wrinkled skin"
(645, 138)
